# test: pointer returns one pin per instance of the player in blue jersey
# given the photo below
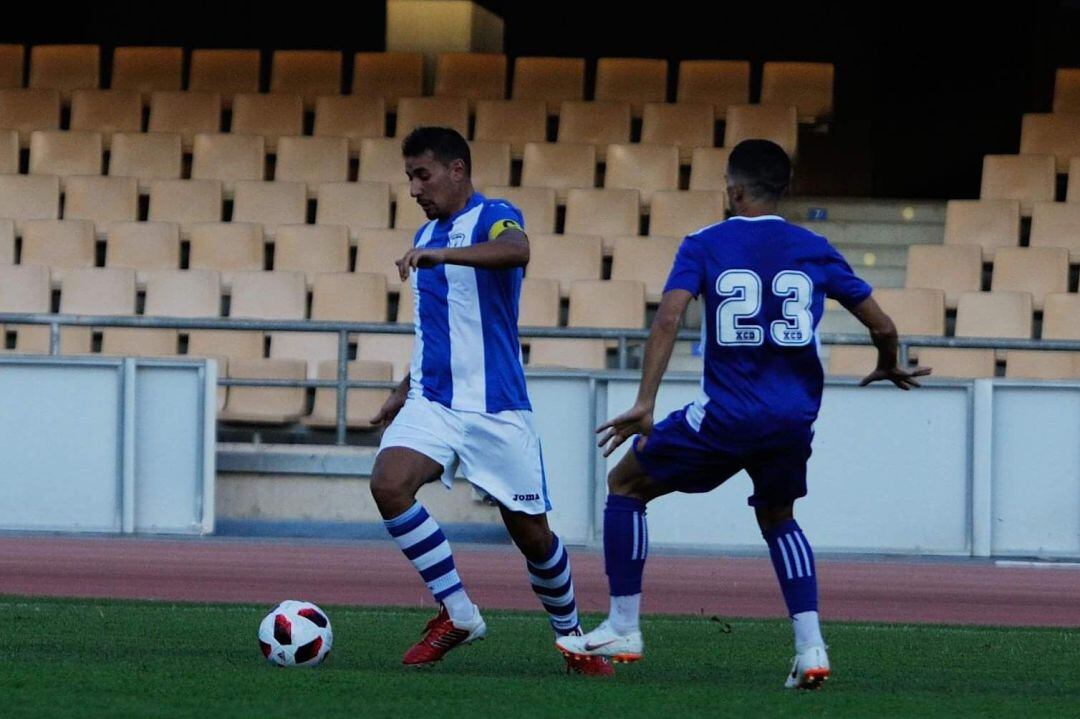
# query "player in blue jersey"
(764, 283)
(464, 401)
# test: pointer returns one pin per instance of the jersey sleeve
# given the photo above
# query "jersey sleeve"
(498, 217)
(841, 282)
(688, 271)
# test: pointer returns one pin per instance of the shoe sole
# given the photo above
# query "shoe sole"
(613, 658)
(813, 679)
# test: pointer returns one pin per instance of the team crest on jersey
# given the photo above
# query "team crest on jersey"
(457, 239)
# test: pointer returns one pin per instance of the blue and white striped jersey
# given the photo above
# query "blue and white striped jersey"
(467, 355)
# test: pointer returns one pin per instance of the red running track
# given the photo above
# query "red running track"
(375, 573)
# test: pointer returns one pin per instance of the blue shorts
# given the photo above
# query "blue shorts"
(686, 461)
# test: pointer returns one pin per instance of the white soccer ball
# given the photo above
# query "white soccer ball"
(295, 634)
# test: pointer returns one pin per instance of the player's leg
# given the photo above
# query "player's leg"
(416, 449)
(779, 478)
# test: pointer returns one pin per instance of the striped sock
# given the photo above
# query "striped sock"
(793, 561)
(425, 545)
(553, 584)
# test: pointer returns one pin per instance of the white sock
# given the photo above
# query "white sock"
(807, 631)
(625, 612)
(460, 607)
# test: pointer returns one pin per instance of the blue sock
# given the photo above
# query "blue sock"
(626, 544)
(425, 545)
(793, 561)
(554, 586)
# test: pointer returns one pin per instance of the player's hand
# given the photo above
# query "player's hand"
(637, 420)
(419, 258)
(390, 409)
(902, 379)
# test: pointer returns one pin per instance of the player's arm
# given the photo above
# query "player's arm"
(639, 418)
(393, 403)
(885, 338)
(509, 247)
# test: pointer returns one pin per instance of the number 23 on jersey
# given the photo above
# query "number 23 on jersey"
(741, 292)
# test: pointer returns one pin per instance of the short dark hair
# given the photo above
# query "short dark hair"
(445, 143)
(762, 167)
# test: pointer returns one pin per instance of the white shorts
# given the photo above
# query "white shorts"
(499, 453)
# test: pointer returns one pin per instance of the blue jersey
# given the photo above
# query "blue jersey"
(764, 283)
(466, 354)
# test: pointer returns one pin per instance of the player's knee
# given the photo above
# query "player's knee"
(769, 517)
(386, 491)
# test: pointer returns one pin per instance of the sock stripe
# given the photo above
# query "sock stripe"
(438, 569)
(419, 533)
(407, 521)
(554, 558)
(439, 553)
(425, 545)
(551, 572)
(445, 586)
(802, 548)
(555, 581)
(637, 538)
(644, 538)
(783, 555)
(794, 555)
(564, 588)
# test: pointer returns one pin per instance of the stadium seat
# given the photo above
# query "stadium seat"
(1073, 189)
(147, 69)
(685, 125)
(352, 117)
(595, 123)
(1061, 317)
(565, 258)
(708, 169)
(272, 116)
(1043, 364)
(312, 160)
(312, 249)
(537, 205)
(357, 205)
(103, 200)
(270, 204)
(9, 152)
(491, 163)
(560, 166)
(551, 79)
(720, 83)
(1037, 270)
(143, 247)
(806, 85)
(350, 297)
(416, 112)
(29, 197)
(645, 259)
(62, 153)
(1057, 224)
(12, 65)
(393, 348)
(634, 80)
(186, 114)
(593, 303)
(186, 293)
(513, 121)
(226, 247)
(229, 158)
(539, 305)
(388, 75)
(471, 75)
(61, 245)
(381, 160)
(1056, 134)
(7, 242)
(949, 363)
(608, 213)
(645, 168)
(677, 213)
(146, 157)
(406, 306)
(378, 250)
(779, 123)
(1027, 178)
(65, 68)
(999, 314)
(1067, 89)
(853, 360)
(265, 405)
(95, 291)
(952, 268)
(107, 112)
(186, 202)
(989, 224)
(312, 348)
(308, 73)
(915, 311)
(408, 215)
(226, 72)
(27, 288)
(360, 404)
(29, 110)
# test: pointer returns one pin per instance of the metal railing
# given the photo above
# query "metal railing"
(343, 330)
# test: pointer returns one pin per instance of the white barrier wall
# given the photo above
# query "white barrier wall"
(956, 468)
(107, 445)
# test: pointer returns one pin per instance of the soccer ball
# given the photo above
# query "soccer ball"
(295, 634)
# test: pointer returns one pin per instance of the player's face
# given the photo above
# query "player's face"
(436, 187)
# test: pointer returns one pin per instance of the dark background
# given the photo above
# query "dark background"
(923, 90)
